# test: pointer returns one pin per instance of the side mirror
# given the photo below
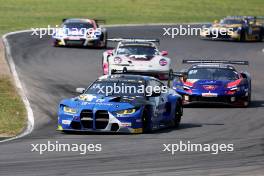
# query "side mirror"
(80, 90)
(164, 53)
(110, 52)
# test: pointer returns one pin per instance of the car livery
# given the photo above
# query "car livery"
(80, 32)
(120, 112)
(239, 28)
(136, 55)
(214, 81)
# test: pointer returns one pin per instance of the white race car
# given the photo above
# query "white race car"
(136, 56)
(80, 32)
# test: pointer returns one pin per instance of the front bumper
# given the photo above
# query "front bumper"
(103, 123)
(233, 100)
(77, 42)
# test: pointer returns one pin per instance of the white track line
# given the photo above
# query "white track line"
(21, 91)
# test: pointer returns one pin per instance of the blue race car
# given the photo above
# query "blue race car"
(135, 104)
(214, 81)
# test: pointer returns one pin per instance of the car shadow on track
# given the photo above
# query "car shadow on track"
(160, 131)
(185, 126)
(228, 41)
(82, 47)
(257, 104)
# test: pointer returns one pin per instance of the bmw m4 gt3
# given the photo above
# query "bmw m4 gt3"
(99, 110)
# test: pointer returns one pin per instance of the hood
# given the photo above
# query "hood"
(100, 102)
(75, 32)
(69, 32)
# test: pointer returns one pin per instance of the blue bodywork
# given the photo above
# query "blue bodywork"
(233, 92)
(100, 113)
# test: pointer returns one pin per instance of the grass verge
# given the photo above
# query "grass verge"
(24, 14)
(12, 111)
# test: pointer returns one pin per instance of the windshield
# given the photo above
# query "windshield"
(78, 25)
(213, 74)
(231, 21)
(117, 88)
(137, 50)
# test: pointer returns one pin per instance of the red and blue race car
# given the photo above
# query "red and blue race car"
(214, 81)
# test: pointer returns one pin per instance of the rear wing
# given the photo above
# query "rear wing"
(234, 62)
(133, 40)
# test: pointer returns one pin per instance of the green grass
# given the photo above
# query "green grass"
(24, 14)
(12, 111)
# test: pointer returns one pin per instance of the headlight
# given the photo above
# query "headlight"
(69, 110)
(126, 112)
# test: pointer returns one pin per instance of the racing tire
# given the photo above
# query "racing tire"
(103, 63)
(145, 121)
(260, 38)
(248, 101)
(104, 40)
(178, 114)
(55, 43)
(242, 35)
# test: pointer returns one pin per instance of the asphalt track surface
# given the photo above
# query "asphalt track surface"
(50, 74)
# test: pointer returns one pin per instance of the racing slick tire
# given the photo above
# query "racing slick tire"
(243, 35)
(248, 101)
(178, 114)
(261, 34)
(104, 40)
(146, 121)
(55, 43)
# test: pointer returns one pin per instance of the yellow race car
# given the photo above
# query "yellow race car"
(239, 28)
